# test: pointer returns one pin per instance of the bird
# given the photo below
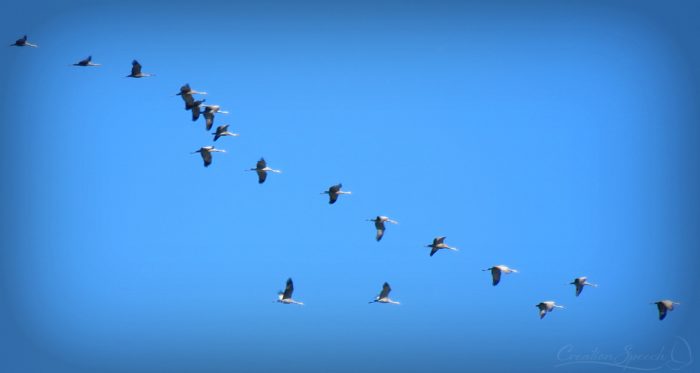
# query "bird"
(439, 243)
(223, 131)
(383, 297)
(379, 224)
(206, 151)
(86, 62)
(664, 306)
(547, 306)
(580, 282)
(22, 42)
(496, 272)
(187, 95)
(261, 169)
(209, 112)
(285, 296)
(333, 193)
(136, 71)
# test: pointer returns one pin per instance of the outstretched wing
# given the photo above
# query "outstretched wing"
(380, 229)
(206, 156)
(288, 290)
(439, 240)
(209, 116)
(135, 67)
(386, 289)
(496, 275)
(579, 288)
(261, 164)
(262, 176)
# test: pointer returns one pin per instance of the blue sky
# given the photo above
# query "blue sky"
(558, 140)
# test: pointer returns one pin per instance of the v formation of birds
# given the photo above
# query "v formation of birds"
(209, 113)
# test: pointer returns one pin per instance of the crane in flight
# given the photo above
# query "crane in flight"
(86, 62)
(664, 306)
(22, 42)
(379, 225)
(439, 243)
(547, 306)
(136, 71)
(383, 296)
(580, 282)
(206, 151)
(261, 169)
(496, 272)
(223, 131)
(334, 191)
(285, 297)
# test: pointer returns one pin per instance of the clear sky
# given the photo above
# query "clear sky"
(560, 140)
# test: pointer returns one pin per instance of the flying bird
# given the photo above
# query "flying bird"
(23, 43)
(261, 169)
(86, 62)
(664, 306)
(547, 306)
(206, 151)
(333, 193)
(187, 96)
(223, 131)
(496, 272)
(379, 225)
(383, 297)
(580, 282)
(286, 295)
(209, 111)
(439, 243)
(195, 106)
(136, 71)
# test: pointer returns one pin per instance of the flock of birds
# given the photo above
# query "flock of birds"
(261, 168)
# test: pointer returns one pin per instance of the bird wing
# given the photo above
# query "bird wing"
(386, 289)
(135, 67)
(496, 275)
(262, 176)
(439, 240)
(206, 156)
(579, 288)
(261, 164)
(188, 99)
(335, 188)
(543, 312)
(195, 112)
(288, 290)
(662, 310)
(333, 196)
(185, 89)
(434, 250)
(209, 116)
(380, 229)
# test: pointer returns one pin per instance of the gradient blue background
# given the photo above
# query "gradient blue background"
(559, 138)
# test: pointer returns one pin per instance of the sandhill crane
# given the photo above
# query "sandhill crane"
(86, 62)
(379, 224)
(439, 243)
(261, 169)
(547, 306)
(664, 306)
(22, 42)
(383, 297)
(206, 151)
(209, 111)
(187, 95)
(223, 131)
(496, 272)
(136, 71)
(333, 193)
(285, 296)
(580, 282)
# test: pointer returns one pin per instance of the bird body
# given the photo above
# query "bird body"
(496, 272)
(383, 296)
(439, 243)
(379, 225)
(334, 191)
(285, 297)
(261, 169)
(136, 71)
(22, 42)
(664, 306)
(547, 306)
(580, 282)
(206, 151)
(86, 62)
